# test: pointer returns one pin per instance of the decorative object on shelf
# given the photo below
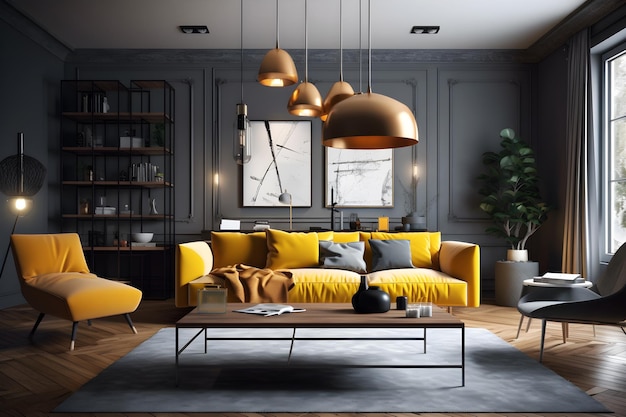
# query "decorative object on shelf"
(105, 105)
(510, 190)
(305, 100)
(21, 177)
(153, 209)
(370, 120)
(277, 68)
(340, 90)
(242, 143)
(142, 237)
(286, 198)
(370, 299)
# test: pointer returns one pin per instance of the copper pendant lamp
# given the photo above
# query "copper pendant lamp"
(306, 99)
(369, 120)
(340, 90)
(277, 68)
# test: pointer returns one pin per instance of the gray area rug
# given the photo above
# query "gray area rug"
(499, 378)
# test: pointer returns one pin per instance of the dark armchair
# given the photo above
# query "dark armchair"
(603, 304)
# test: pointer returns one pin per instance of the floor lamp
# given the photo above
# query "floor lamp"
(286, 198)
(21, 177)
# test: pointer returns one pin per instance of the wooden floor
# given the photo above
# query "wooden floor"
(35, 377)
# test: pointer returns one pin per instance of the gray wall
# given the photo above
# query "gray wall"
(461, 100)
(29, 81)
(460, 108)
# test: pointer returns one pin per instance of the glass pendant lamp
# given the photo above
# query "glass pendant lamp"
(242, 144)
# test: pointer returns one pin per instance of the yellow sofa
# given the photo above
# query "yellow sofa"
(444, 273)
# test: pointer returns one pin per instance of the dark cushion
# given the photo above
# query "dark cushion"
(390, 254)
(347, 256)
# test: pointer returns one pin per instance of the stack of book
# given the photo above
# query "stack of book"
(559, 278)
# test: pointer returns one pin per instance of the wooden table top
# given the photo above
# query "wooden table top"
(317, 315)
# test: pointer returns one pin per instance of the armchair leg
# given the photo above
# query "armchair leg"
(130, 323)
(521, 320)
(74, 328)
(32, 332)
(543, 339)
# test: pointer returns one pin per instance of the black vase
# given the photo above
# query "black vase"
(370, 299)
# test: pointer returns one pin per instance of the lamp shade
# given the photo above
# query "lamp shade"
(370, 121)
(305, 100)
(277, 69)
(12, 183)
(339, 91)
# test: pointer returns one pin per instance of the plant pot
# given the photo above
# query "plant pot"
(516, 255)
(510, 277)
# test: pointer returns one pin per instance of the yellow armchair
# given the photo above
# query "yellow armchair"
(55, 279)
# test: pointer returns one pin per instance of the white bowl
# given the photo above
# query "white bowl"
(142, 237)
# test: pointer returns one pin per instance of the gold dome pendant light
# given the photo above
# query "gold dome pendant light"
(277, 68)
(306, 99)
(340, 90)
(370, 121)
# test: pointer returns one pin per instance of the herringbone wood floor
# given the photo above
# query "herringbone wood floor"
(35, 377)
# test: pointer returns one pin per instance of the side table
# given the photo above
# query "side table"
(529, 284)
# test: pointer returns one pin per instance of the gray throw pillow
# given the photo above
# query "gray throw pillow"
(390, 254)
(347, 256)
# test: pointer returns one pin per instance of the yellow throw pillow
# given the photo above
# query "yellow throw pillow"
(292, 249)
(421, 256)
(231, 248)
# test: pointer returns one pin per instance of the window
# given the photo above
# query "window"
(615, 148)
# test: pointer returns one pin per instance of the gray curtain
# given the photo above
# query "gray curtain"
(581, 201)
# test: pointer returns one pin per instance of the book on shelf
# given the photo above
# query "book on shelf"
(560, 278)
(270, 309)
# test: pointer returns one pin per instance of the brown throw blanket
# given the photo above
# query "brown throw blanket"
(254, 285)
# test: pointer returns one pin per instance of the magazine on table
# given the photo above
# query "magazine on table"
(270, 309)
(560, 278)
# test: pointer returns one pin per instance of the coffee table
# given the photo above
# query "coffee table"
(321, 316)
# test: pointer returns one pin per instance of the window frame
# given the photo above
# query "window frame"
(606, 148)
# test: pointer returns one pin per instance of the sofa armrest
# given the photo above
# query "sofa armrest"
(193, 260)
(462, 260)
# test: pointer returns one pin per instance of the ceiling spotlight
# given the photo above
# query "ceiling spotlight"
(425, 30)
(188, 29)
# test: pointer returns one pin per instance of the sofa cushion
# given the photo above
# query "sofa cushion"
(321, 285)
(291, 249)
(343, 237)
(347, 255)
(390, 254)
(421, 284)
(231, 248)
(421, 253)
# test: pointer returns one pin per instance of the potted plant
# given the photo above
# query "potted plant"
(511, 197)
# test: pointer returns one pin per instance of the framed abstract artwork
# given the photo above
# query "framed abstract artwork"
(280, 163)
(359, 177)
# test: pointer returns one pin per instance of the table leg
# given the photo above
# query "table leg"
(463, 356)
(176, 362)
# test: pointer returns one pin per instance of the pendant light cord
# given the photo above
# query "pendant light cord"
(277, 28)
(360, 47)
(340, 40)
(306, 43)
(241, 47)
(369, 45)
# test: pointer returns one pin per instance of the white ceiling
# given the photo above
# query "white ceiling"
(153, 24)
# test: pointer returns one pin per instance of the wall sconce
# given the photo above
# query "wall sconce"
(194, 29)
